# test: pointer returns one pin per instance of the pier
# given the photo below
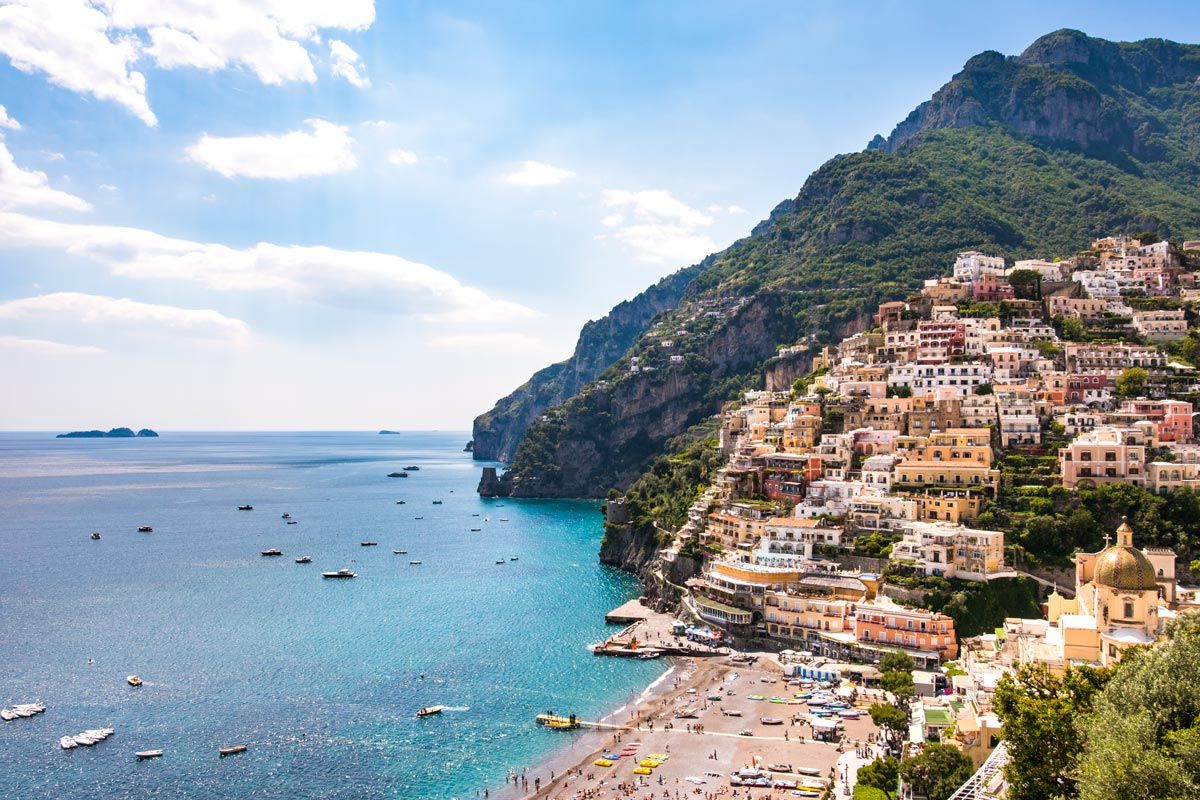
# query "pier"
(648, 634)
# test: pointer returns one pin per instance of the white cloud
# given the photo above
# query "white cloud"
(45, 347)
(91, 47)
(378, 282)
(659, 228)
(324, 150)
(53, 156)
(736, 210)
(345, 63)
(20, 188)
(98, 310)
(535, 173)
(403, 158)
(8, 122)
(107, 187)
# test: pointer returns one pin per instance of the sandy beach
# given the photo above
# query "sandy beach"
(723, 732)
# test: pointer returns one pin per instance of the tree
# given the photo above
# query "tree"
(882, 774)
(984, 388)
(891, 720)
(899, 684)
(895, 661)
(1143, 739)
(1026, 283)
(1132, 382)
(938, 771)
(1039, 712)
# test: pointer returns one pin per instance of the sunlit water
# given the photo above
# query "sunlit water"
(320, 677)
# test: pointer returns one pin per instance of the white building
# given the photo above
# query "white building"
(951, 551)
(971, 266)
(960, 379)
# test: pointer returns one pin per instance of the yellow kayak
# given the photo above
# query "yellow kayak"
(602, 762)
(642, 771)
(651, 763)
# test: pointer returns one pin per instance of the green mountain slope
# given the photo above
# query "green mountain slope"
(1024, 157)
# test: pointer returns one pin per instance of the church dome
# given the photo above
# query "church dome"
(1123, 566)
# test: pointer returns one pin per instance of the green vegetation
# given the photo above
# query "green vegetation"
(975, 606)
(1132, 382)
(881, 777)
(668, 488)
(892, 721)
(937, 771)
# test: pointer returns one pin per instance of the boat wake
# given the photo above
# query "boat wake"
(457, 708)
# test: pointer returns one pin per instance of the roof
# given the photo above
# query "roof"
(938, 716)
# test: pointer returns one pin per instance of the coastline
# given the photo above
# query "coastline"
(587, 743)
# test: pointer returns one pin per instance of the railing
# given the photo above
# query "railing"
(987, 783)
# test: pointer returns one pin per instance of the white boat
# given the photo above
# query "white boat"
(7, 714)
(341, 573)
(400, 552)
(67, 743)
(415, 563)
(429, 711)
(512, 558)
(24, 712)
(501, 561)
(144, 754)
(133, 680)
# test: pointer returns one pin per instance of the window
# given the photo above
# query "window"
(1128, 610)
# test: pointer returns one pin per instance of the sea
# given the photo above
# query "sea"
(320, 678)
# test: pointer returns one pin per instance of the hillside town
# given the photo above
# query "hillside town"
(901, 439)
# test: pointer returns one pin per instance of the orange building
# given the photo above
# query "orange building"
(885, 623)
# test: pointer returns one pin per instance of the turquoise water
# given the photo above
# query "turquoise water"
(321, 678)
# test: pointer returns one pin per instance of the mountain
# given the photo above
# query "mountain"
(497, 433)
(1027, 156)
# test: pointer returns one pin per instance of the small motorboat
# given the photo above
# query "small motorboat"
(770, 720)
(368, 544)
(145, 754)
(476, 530)
(145, 529)
(397, 474)
(429, 711)
(272, 552)
(779, 767)
(303, 560)
(512, 558)
(400, 552)
(731, 712)
(501, 561)
(437, 502)
(7, 714)
(67, 742)
(341, 573)
(504, 519)
(286, 515)
(414, 469)
(245, 508)
(229, 751)
(474, 515)
(133, 680)
(415, 563)
(28, 709)
(291, 522)
(96, 536)
(400, 502)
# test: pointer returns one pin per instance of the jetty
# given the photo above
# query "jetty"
(649, 634)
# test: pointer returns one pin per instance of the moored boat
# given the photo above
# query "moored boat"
(96, 536)
(368, 543)
(245, 508)
(66, 743)
(429, 711)
(272, 552)
(341, 573)
(414, 469)
(400, 552)
(397, 474)
(303, 560)
(7, 714)
(229, 751)
(286, 515)
(145, 529)
(144, 754)
(134, 680)
(416, 563)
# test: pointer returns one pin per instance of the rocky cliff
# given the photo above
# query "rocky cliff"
(1023, 157)
(497, 433)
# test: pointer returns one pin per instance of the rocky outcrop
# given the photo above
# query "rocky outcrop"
(497, 433)
(1067, 88)
(493, 485)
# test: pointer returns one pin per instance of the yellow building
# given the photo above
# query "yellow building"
(959, 458)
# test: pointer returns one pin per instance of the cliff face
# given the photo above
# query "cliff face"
(1023, 157)
(497, 433)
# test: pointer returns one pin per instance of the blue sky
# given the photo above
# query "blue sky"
(294, 214)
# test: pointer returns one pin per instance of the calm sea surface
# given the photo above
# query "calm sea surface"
(320, 677)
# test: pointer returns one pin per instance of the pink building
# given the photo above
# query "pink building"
(1173, 418)
(1107, 454)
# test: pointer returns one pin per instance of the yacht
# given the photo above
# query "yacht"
(368, 543)
(397, 474)
(415, 563)
(414, 469)
(476, 530)
(96, 536)
(400, 552)
(501, 561)
(399, 502)
(145, 529)
(341, 573)
(512, 558)
(291, 522)
(303, 560)
(245, 508)
(272, 552)
(144, 754)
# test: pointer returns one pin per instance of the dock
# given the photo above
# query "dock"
(648, 634)
(628, 613)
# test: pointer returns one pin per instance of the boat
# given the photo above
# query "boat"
(501, 561)
(229, 751)
(415, 563)
(779, 767)
(26, 710)
(400, 502)
(474, 515)
(603, 762)
(7, 714)
(813, 771)
(96, 536)
(397, 474)
(145, 754)
(368, 544)
(67, 743)
(341, 573)
(476, 530)
(414, 469)
(418, 518)
(770, 720)
(429, 711)
(303, 560)
(850, 713)
(504, 519)
(245, 508)
(145, 529)
(90, 737)
(437, 502)
(291, 522)
(286, 515)
(512, 558)
(272, 552)
(731, 712)
(133, 680)
(400, 552)
(648, 656)
(558, 722)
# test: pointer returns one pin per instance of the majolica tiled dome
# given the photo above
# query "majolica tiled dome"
(1124, 567)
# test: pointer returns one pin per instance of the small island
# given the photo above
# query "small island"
(112, 433)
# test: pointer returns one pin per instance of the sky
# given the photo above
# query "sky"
(348, 215)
